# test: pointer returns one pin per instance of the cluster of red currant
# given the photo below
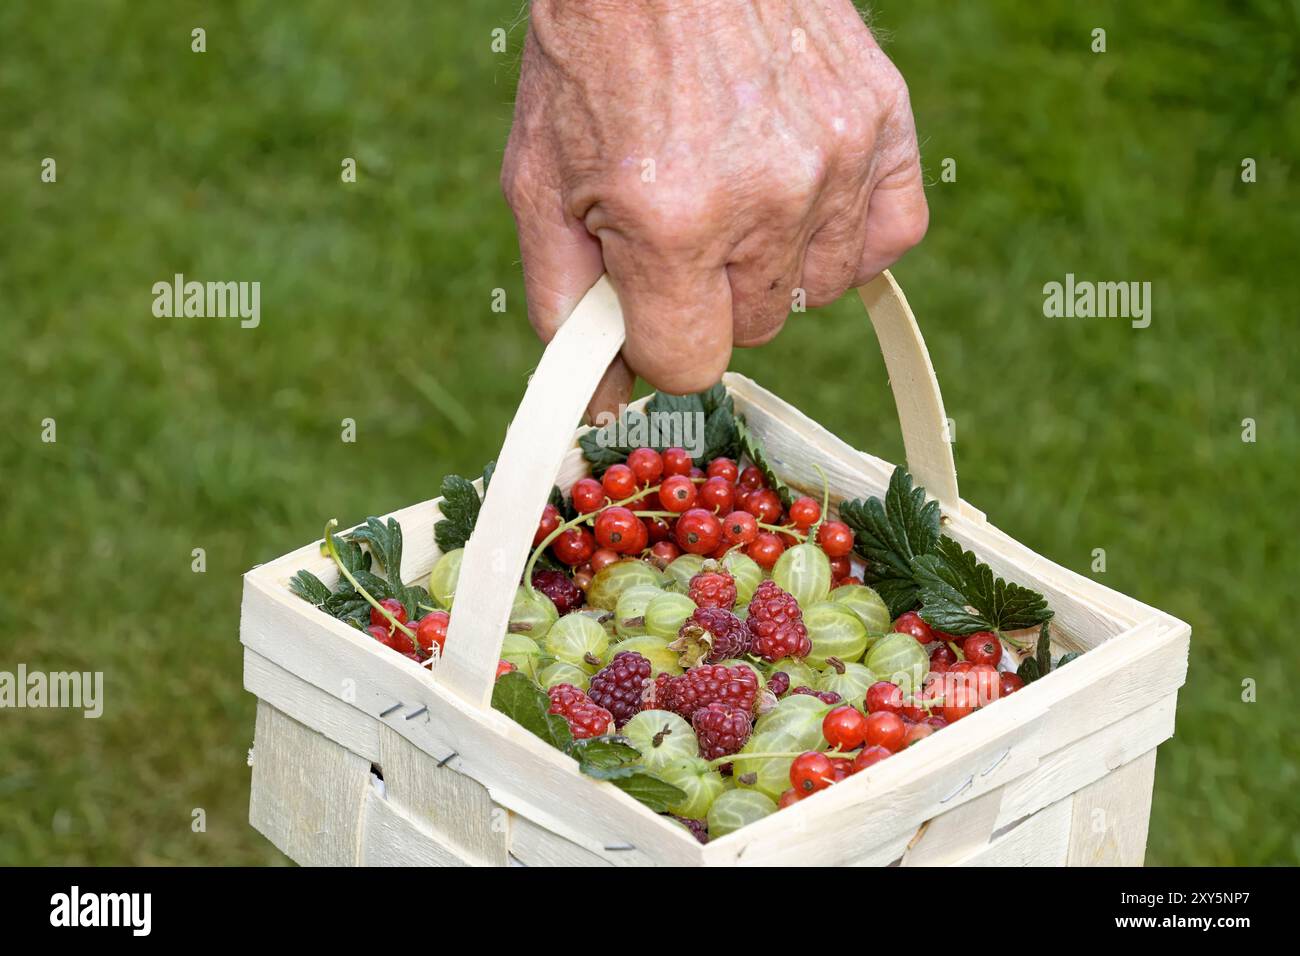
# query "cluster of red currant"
(414, 639)
(661, 505)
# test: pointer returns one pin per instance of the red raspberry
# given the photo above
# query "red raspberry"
(620, 686)
(713, 589)
(699, 828)
(711, 635)
(585, 717)
(559, 587)
(779, 683)
(710, 683)
(776, 623)
(825, 696)
(722, 729)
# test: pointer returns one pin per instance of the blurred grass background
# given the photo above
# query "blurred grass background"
(175, 434)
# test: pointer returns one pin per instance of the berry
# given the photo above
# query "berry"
(936, 722)
(656, 694)
(504, 667)
(602, 558)
(647, 464)
(664, 552)
(941, 658)
(825, 696)
(765, 550)
(697, 473)
(713, 589)
(835, 538)
(789, 798)
(805, 511)
(884, 697)
(840, 568)
(618, 529)
(393, 607)
(723, 468)
(710, 635)
(698, 532)
(844, 727)
(549, 522)
(911, 623)
(764, 505)
(657, 529)
(641, 538)
(563, 591)
(699, 828)
(843, 768)
(779, 683)
(677, 494)
(917, 732)
(776, 624)
(988, 683)
(620, 686)
(868, 756)
(709, 683)
(583, 578)
(431, 630)
(588, 495)
(1009, 683)
(811, 772)
(739, 527)
(959, 697)
(717, 495)
(584, 716)
(851, 579)
(619, 482)
(883, 729)
(574, 546)
(721, 729)
(677, 462)
(982, 647)
(379, 632)
(752, 478)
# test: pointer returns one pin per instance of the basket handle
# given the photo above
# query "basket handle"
(542, 434)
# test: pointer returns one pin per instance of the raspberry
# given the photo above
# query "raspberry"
(655, 696)
(559, 587)
(709, 683)
(699, 828)
(620, 686)
(585, 717)
(776, 623)
(713, 589)
(779, 683)
(825, 696)
(710, 635)
(721, 728)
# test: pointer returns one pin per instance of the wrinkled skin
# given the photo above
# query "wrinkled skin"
(713, 158)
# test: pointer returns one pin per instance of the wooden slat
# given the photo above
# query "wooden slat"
(1111, 815)
(1038, 840)
(390, 837)
(533, 845)
(957, 833)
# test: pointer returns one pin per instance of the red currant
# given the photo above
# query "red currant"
(835, 538)
(739, 527)
(574, 546)
(982, 647)
(988, 683)
(582, 579)
(751, 477)
(588, 495)
(504, 667)
(718, 495)
(843, 768)
(619, 482)
(884, 697)
(868, 756)
(677, 462)
(616, 529)
(844, 727)
(911, 623)
(941, 658)
(840, 568)
(379, 632)
(789, 799)
(658, 529)
(603, 558)
(647, 464)
(937, 722)
(393, 607)
(550, 521)
(641, 538)
(765, 549)
(432, 630)
(699, 532)
(959, 697)
(664, 552)
(917, 732)
(804, 512)
(1009, 683)
(697, 475)
(764, 505)
(723, 468)
(677, 493)
(851, 579)
(884, 729)
(811, 771)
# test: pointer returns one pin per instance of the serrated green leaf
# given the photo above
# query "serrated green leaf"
(375, 586)
(656, 794)
(488, 471)
(524, 702)
(348, 605)
(752, 448)
(598, 454)
(1028, 670)
(460, 507)
(385, 544)
(1066, 658)
(721, 435)
(952, 579)
(692, 404)
(1044, 650)
(309, 587)
(890, 534)
(608, 752)
(351, 553)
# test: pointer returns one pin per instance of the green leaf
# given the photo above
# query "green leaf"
(1028, 670)
(353, 556)
(721, 434)
(460, 506)
(348, 606)
(375, 586)
(951, 580)
(889, 535)
(608, 752)
(524, 702)
(488, 470)
(385, 543)
(309, 587)
(656, 794)
(1044, 650)
(1066, 658)
(751, 447)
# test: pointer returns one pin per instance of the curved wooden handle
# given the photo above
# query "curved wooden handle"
(542, 434)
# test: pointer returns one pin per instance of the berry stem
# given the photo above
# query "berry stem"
(730, 758)
(826, 504)
(334, 553)
(584, 519)
(787, 529)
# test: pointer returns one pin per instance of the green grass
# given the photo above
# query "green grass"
(175, 434)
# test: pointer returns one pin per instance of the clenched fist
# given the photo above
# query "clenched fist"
(714, 157)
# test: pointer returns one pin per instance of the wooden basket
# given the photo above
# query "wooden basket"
(365, 757)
